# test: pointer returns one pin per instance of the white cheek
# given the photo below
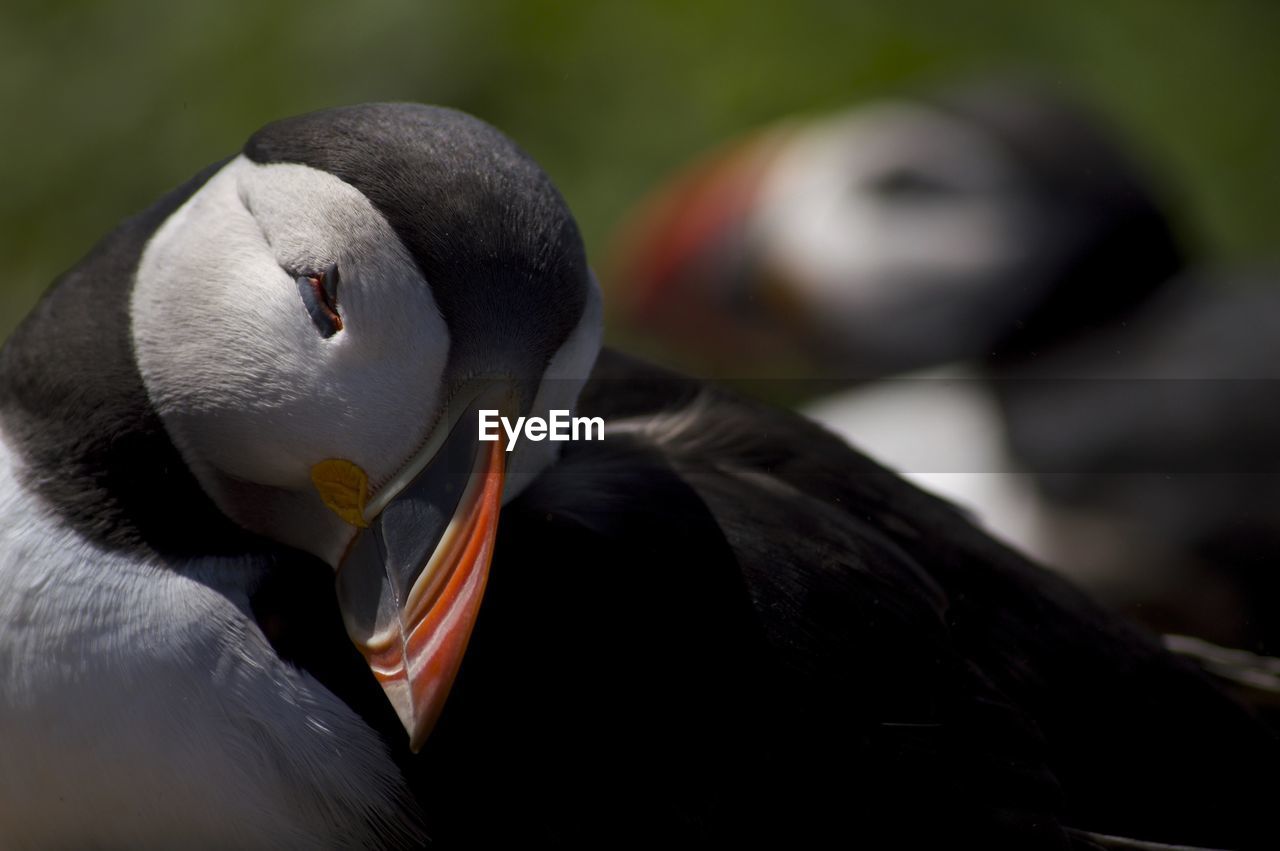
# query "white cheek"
(857, 256)
(243, 379)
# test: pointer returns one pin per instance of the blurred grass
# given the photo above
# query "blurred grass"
(107, 105)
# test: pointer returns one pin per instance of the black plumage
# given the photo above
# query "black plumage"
(1166, 424)
(73, 402)
(738, 630)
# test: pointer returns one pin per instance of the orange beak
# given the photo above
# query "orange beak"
(411, 583)
(657, 261)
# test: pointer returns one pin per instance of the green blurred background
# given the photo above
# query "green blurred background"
(106, 105)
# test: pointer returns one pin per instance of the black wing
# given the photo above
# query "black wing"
(721, 626)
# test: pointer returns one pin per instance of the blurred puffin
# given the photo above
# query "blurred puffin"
(248, 528)
(996, 253)
(988, 222)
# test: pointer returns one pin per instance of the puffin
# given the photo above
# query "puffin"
(985, 221)
(265, 584)
(986, 290)
(983, 288)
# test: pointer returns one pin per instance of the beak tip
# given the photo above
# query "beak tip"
(417, 724)
(417, 721)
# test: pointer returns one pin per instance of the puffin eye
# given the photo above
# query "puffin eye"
(905, 184)
(320, 297)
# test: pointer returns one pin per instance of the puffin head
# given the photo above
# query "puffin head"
(897, 234)
(317, 328)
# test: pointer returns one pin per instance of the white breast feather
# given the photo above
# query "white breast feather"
(141, 707)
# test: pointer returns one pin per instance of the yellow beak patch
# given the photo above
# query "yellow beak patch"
(344, 487)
